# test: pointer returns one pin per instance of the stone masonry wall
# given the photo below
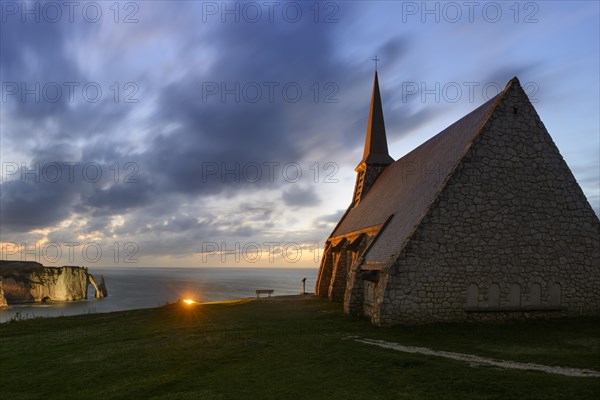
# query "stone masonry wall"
(512, 225)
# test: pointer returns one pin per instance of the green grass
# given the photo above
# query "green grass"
(284, 350)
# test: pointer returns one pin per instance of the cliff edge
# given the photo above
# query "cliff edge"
(29, 281)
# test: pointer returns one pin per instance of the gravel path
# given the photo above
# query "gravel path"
(473, 359)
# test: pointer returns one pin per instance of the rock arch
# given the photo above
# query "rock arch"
(100, 288)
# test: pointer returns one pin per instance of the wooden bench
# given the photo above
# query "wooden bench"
(268, 292)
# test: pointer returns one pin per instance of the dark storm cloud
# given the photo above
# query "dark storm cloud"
(119, 198)
(231, 131)
(30, 205)
(45, 192)
(38, 63)
(195, 145)
(26, 50)
(299, 197)
(218, 148)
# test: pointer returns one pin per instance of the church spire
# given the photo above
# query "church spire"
(376, 150)
(375, 156)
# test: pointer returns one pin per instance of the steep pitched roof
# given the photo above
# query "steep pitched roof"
(376, 150)
(407, 188)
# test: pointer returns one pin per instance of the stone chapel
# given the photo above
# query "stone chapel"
(483, 221)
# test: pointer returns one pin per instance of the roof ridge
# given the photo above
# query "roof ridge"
(485, 119)
(341, 219)
(401, 188)
(498, 97)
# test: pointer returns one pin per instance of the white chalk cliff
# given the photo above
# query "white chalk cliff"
(25, 282)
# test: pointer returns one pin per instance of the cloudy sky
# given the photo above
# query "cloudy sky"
(226, 134)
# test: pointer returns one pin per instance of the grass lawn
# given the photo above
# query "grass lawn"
(276, 349)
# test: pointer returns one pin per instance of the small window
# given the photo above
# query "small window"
(472, 295)
(494, 296)
(555, 295)
(535, 297)
(514, 296)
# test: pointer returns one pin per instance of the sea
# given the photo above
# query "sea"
(139, 287)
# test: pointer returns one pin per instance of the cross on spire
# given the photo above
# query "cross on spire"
(375, 59)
